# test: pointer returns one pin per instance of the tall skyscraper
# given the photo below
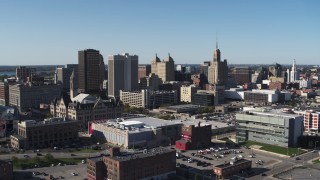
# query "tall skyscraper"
(62, 76)
(90, 65)
(122, 73)
(293, 73)
(275, 70)
(218, 70)
(164, 69)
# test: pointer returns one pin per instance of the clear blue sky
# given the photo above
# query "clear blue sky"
(39, 32)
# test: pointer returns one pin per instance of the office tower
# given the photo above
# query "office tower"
(90, 65)
(62, 76)
(218, 71)
(144, 70)
(22, 72)
(122, 73)
(241, 74)
(4, 93)
(293, 73)
(275, 70)
(164, 69)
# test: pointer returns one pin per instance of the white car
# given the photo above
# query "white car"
(74, 174)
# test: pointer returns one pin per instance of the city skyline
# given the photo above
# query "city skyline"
(248, 32)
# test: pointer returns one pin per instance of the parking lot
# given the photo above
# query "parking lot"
(73, 172)
(205, 159)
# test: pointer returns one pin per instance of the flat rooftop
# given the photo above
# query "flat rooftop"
(214, 124)
(269, 112)
(179, 107)
(30, 123)
(154, 122)
(125, 156)
(227, 165)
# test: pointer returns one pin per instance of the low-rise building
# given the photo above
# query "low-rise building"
(6, 170)
(148, 99)
(134, 132)
(194, 137)
(203, 99)
(311, 121)
(26, 96)
(156, 163)
(47, 133)
(229, 169)
(85, 108)
(269, 126)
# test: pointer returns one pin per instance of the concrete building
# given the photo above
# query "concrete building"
(4, 93)
(187, 92)
(164, 69)
(85, 108)
(294, 73)
(144, 70)
(194, 137)
(185, 108)
(311, 121)
(62, 76)
(203, 99)
(122, 74)
(200, 80)
(275, 70)
(218, 71)
(156, 163)
(228, 169)
(266, 96)
(204, 68)
(90, 71)
(22, 72)
(26, 96)
(43, 134)
(148, 99)
(6, 170)
(269, 126)
(151, 82)
(138, 131)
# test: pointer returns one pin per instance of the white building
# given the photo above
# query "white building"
(186, 92)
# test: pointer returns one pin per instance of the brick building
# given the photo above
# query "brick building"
(157, 163)
(231, 168)
(194, 137)
(4, 94)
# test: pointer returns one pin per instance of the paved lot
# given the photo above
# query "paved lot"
(300, 173)
(57, 171)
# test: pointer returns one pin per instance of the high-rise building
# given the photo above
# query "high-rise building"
(90, 65)
(63, 74)
(241, 74)
(22, 72)
(293, 73)
(144, 70)
(122, 73)
(164, 69)
(218, 70)
(4, 93)
(275, 70)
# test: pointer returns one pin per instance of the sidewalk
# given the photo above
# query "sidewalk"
(280, 155)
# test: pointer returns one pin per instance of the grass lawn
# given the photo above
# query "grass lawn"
(89, 150)
(46, 161)
(275, 149)
(317, 161)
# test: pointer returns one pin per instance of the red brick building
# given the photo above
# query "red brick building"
(157, 163)
(194, 137)
(277, 85)
(231, 168)
(4, 93)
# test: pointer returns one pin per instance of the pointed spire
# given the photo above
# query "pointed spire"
(169, 54)
(216, 40)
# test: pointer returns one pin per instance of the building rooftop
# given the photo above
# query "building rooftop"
(266, 111)
(227, 165)
(126, 156)
(214, 124)
(29, 123)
